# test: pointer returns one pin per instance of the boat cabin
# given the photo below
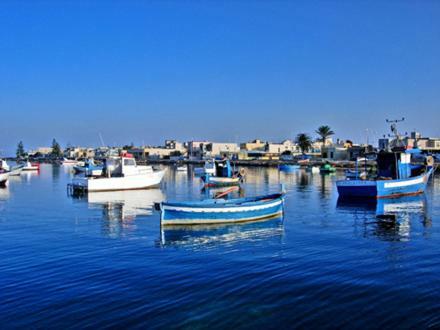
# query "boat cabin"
(223, 169)
(120, 166)
(397, 164)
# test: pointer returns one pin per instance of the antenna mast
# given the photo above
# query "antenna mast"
(397, 136)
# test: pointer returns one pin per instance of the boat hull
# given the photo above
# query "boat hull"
(209, 214)
(214, 181)
(4, 179)
(133, 182)
(383, 188)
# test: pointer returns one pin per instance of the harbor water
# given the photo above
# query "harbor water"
(103, 259)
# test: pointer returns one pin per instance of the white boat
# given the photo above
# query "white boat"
(66, 161)
(209, 168)
(121, 173)
(13, 171)
(181, 168)
(31, 166)
(4, 179)
(16, 170)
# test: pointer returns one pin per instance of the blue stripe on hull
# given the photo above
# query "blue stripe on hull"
(360, 191)
(207, 217)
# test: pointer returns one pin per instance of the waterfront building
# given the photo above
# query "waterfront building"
(253, 145)
(172, 148)
(41, 151)
(203, 149)
(283, 147)
(79, 152)
(415, 140)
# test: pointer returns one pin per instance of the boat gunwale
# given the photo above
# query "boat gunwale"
(221, 203)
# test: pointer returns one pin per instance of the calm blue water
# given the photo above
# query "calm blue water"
(103, 260)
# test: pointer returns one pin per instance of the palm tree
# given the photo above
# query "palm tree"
(324, 132)
(304, 142)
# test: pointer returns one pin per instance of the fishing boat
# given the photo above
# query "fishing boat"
(208, 168)
(397, 175)
(119, 173)
(28, 166)
(288, 168)
(89, 168)
(327, 168)
(224, 175)
(4, 176)
(66, 161)
(215, 211)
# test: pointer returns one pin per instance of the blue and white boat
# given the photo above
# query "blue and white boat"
(223, 175)
(89, 168)
(396, 177)
(288, 168)
(216, 211)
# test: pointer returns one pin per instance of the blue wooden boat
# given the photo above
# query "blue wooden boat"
(288, 168)
(215, 211)
(396, 177)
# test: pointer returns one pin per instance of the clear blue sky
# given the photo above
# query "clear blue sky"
(143, 71)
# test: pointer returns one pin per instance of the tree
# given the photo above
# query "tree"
(324, 132)
(56, 149)
(304, 142)
(20, 150)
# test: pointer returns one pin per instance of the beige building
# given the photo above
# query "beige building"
(253, 145)
(201, 149)
(79, 152)
(170, 149)
(423, 143)
(279, 148)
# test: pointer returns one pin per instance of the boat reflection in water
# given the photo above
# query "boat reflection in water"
(389, 219)
(120, 208)
(206, 235)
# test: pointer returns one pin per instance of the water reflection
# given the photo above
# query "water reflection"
(388, 219)
(211, 235)
(121, 208)
(4, 193)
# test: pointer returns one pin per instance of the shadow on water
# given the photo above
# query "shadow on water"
(121, 208)
(388, 219)
(212, 235)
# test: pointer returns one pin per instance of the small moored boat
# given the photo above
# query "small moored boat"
(327, 168)
(214, 211)
(224, 175)
(28, 166)
(288, 168)
(66, 161)
(89, 168)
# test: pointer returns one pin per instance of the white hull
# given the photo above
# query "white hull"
(4, 178)
(30, 168)
(130, 182)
